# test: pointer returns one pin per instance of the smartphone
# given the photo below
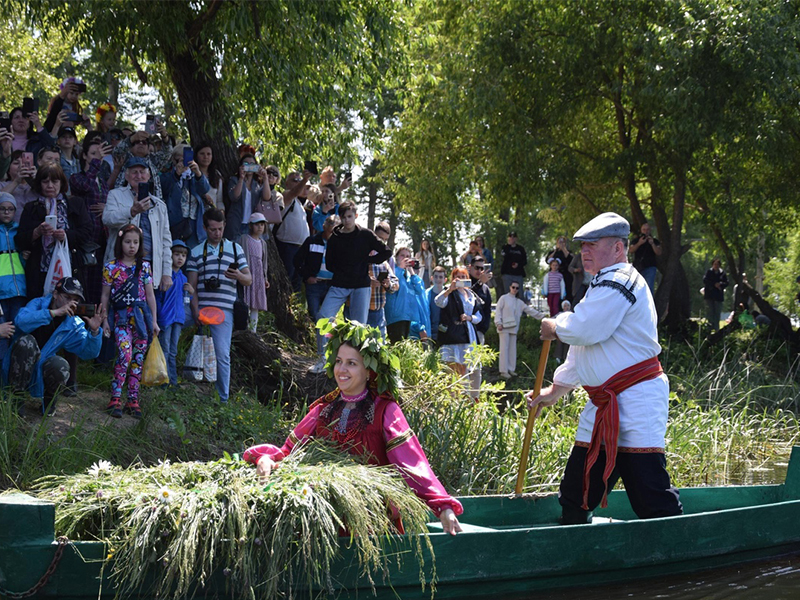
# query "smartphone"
(52, 221)
(73, 117)
(30, 105)
(250, 167)
(144, 190)
(26, 160)
(85, 310)
(188, 156)
(415, 263)
(348, 175)
(81, 87)
(462, 283)
(311, 167)
(150, 125)
(382, 276)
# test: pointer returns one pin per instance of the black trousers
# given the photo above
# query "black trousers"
(646, 480)
(398, 331)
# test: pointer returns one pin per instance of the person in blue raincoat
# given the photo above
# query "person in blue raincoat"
(408, 306)
(45, 327)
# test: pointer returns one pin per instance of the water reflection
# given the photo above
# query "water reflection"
(776, 579)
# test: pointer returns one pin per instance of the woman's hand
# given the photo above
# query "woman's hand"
(264, 469)
(156, 329)
(194, 168)
(499, 326)
(60, 235)
(98, 208)
(466, 317)
(449, 521)
(37, 124)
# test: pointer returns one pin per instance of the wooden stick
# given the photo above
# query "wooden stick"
(532, 414)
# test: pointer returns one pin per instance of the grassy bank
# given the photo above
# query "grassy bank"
(733, 415)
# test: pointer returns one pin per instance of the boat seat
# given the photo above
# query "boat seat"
(436, 526)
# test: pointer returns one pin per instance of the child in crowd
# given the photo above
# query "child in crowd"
(69, 155)
(12, 275)
(255, 251)
(553, 287)
(128, 286)
(171, 309)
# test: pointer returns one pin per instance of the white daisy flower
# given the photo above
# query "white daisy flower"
(165, 495)
(100, 467)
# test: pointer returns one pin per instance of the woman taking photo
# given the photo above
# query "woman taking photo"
(507, 316)
(427, 260)
(562, 253)
(204, 157)
(17, 183)
(457, 319)
(244, 193)
(363, 421)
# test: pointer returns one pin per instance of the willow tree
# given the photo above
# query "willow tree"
(597, 106)
(287, 75)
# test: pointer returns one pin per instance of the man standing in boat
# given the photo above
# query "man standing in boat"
(614, 355)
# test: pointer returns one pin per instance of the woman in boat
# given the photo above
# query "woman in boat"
(365, 421)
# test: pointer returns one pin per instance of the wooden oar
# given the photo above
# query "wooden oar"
(532, 414)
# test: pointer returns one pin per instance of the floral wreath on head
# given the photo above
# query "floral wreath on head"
(383, 365)
(103, 109)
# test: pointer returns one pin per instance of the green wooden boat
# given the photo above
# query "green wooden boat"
(511, 547)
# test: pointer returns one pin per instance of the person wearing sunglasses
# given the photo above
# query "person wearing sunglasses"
(507, 314)
(138, 145)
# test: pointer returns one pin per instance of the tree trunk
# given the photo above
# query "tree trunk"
(372, 190)
(198, 90)
(674, 308)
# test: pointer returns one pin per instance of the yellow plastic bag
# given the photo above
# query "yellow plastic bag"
(155, 365)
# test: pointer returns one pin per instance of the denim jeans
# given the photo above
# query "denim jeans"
(287, 253)
(221, 334)
(335, 299)
(649, 274)
(377, 318)
(315, 295)
(168, 338)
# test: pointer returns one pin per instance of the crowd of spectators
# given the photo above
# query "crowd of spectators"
(156, 234)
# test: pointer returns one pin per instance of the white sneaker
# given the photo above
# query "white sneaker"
(319, 367)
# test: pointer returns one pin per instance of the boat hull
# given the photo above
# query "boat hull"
(512, 546)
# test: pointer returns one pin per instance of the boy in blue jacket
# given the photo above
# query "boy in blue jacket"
(171, 309)
(46, 326)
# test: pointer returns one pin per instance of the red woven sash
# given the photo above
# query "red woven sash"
(606, 421)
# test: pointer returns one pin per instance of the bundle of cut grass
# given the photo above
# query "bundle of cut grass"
(171, 528)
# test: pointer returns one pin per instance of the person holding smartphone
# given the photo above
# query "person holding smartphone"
(65, 107)
(29, 134)
(18, 180)
(136, 203)
(460, 312)
(184, 189)
(138, 146)
(244, 193)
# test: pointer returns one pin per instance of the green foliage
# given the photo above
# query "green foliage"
(781, 273)
(187, 523)
(31, 64)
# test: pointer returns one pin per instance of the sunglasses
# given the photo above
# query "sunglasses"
(478, 268)
(514, 287)
(140, 143)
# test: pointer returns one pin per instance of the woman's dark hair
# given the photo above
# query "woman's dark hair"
(53, 173)
(214, 214)
(30, 125)
(213, 173)
(118, 243)
(88, 142)
(15, 155)
(246, 158)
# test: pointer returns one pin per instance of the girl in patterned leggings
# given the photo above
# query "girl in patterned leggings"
(128, 287)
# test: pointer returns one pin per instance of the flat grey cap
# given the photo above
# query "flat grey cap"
(606, 225)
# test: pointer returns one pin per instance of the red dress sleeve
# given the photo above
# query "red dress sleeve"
(404, 451)
(301, 433)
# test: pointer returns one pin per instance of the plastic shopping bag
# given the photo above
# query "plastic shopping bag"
(155, 365)
(193, 365)
(60, 266)
(209, 359)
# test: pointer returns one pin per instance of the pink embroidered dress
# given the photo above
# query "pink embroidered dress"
(377, 428)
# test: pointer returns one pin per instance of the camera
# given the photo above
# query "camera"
(212, 284)
(415, 263)
(85, 310)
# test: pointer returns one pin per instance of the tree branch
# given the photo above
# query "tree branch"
(194, 29)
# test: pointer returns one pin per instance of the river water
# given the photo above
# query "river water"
(776, 579)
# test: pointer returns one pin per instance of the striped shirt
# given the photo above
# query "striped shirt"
(214, 266)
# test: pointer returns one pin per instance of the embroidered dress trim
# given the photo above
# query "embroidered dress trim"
(399, 440)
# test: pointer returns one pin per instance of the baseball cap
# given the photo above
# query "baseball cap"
(71, 286)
